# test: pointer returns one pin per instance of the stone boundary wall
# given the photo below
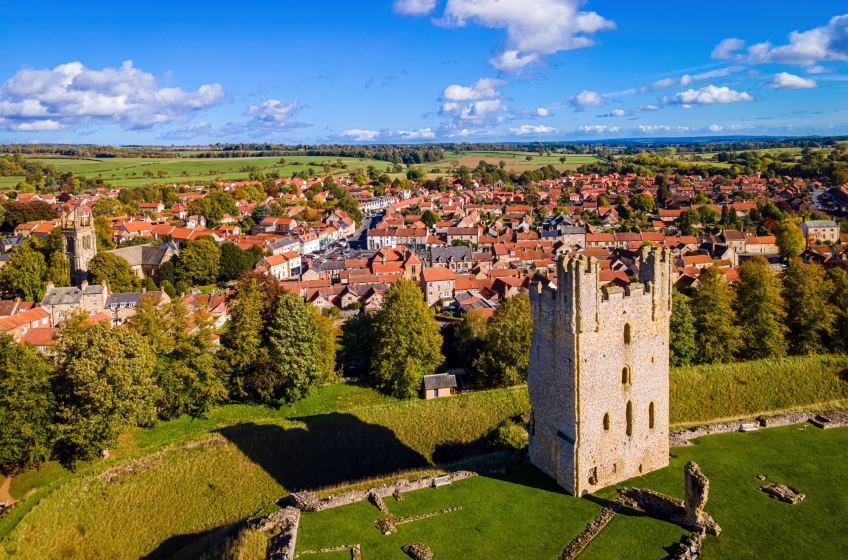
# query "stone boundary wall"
(355, 551)
(307, 501)
(283, 544)
(830, 419)
(582, 540)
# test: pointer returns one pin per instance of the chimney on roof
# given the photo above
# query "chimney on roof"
(49, 287)
(84, 284)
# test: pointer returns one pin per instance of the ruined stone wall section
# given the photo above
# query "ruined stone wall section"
(598, 375)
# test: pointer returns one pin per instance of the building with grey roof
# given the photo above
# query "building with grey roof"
(146, 260)
(60, 303)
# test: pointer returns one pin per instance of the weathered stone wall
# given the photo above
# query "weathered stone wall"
(830, 419)
(595, 356)
(283, 544)
(307, 501)
(576, 546)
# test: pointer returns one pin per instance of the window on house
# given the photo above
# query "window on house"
(629, 415)
(651, 415)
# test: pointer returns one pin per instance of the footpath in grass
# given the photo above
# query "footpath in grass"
(525, 515)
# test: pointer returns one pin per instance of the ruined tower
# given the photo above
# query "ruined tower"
(79, 243)
(598, 374)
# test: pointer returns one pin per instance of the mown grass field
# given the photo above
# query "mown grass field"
(524, 515)
(178, 490)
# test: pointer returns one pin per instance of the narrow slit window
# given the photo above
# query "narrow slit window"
(627, 333)
(629, 414)
(651, 415)
(606, 422)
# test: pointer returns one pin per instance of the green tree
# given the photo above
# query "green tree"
(115, 271)
(190, 375)
(810, 317)
(103, 234)
(59, 269)
(213, 206)
(839, 301)
(470, 335)
(245, 351)
(718, 336)
(27, 405)
(681, 345)
(642, 202)
(199, 261)
(688, 220)
(107, 207)
(325, 345)
(234, 261)
(429, 218)
(105, 384)
(353, 355)
(503, 359)
(292, 344)
(761, 311)
(24, 273)
(407, 342)
(790, 239)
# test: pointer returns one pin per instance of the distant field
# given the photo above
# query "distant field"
(128, 171)
(7, 183)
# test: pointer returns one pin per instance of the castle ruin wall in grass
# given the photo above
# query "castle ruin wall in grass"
(598, 374)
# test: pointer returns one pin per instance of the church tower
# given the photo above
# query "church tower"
(598, 374)
(79, 243)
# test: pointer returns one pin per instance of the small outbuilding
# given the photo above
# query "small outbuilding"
(439, 385)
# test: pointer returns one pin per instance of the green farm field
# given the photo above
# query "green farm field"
(128, 171)
(168, 486)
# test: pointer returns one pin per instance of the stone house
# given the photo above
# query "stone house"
(60, 303)
(121, 307)
(146, 260)
(19, 324)
(470, 234)
(458, 258)
(437, 284)
(820, 230)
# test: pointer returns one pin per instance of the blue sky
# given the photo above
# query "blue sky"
(420, 70)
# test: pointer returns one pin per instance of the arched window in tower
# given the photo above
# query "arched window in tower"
(70, 244)
(627, 333)
(625, 375)
(606, 422)
(651, 415)
(629, 415)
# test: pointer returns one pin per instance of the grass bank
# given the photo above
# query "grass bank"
(155, 505)
(707, 393)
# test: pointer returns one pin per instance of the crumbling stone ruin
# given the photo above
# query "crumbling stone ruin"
(417, 551)
(689, 546)
(582, 540)
(282, 545)
(688, 513)
(598, 374)
(783, 493)
(308, 501)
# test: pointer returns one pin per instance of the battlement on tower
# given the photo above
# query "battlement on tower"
(598, 373)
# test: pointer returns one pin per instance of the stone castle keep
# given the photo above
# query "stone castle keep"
(598, 374)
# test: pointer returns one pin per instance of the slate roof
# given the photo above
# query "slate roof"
(70, 296)
(439, 381)
(142, 254)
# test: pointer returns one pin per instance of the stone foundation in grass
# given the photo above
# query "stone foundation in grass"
(282, 545)
(307, 501)
(417, 551)
(831, 419)
(592, 529)
(782, 493)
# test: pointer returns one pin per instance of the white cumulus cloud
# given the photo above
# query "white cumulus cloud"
(484, 88)
(686, 79)
(586, 98)
(716, 128)
(785, 80)
(805, 48)
(533, 29)
(707, 96)
(597, 129)
(360, 135)
(526, 129)
(71, 95)
(413, 7)
(542, 112)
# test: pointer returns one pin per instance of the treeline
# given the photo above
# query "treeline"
(800, 312)
(82, 151)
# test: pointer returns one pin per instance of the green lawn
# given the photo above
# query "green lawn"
(526, 516)
(7, 183)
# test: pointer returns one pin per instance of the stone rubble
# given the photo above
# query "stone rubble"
(418, 551)
(782, 493)
(689, 546)
(355, 551)
(580, 542)
(282, 545)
